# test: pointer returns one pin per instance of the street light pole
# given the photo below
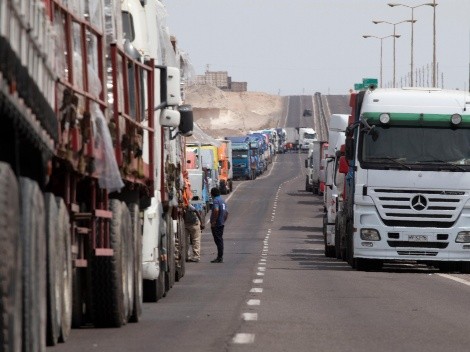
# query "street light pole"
(381, 51)
(433, 4)
(434, 44)
(394, 45)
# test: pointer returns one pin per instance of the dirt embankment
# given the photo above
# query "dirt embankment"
(220, 113)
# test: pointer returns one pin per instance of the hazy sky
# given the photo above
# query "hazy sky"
(304, 46)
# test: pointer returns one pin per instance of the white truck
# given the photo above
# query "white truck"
(408, 178)
(312, 164)
(307, 135)
(334, 182)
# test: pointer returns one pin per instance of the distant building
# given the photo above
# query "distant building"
(221, 80)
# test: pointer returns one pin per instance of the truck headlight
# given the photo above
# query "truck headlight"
(370, 235)
(463, 237)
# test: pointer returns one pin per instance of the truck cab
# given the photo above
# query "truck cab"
(407, 178)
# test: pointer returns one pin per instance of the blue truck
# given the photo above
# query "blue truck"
(242, 155)
(259, 147)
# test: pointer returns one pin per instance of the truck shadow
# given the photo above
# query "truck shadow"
(301, 228)
(314, 259)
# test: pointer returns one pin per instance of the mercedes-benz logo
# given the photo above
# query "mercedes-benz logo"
(419, 202)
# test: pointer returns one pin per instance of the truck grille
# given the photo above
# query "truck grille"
(418, 206)
(410, 244)
(418, 253)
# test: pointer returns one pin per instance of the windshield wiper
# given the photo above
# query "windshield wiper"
(452, 166)
(395, 160)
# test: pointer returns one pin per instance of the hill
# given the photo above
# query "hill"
(219, 113)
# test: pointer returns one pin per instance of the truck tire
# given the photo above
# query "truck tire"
(230, 187)
(54, 277)
(337, 239)
(307, 185)
(64, 240)
(33, 235)
(170, 276)
(138, 281)
(182, 250)
(10, 262)
(128, 262)
(108, 303)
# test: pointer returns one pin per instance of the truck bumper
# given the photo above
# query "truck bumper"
(410, 243)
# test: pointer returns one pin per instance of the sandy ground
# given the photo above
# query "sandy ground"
(221, 114)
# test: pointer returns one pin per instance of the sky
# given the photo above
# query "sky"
(293, 47)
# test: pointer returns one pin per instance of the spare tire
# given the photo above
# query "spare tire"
(10, 262)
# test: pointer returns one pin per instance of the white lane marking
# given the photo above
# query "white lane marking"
(258, 281)
(256, 290)
(260, 274)
(454, 278)
(253, 302)
(263, 259)
(250, 316)
(261, 268)
(261, 263)
(243, 338)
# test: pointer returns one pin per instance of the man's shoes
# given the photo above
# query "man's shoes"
(193, 260)
(217, 260)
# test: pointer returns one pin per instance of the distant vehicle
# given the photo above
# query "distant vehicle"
(225, 167)
(307, 112)
(241, 154)
(306, 136)
(312, 163)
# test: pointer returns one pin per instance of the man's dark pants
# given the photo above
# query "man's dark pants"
(217, 233)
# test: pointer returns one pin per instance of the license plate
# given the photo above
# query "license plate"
(417, 238)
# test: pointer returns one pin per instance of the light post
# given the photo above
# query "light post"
(412, 28)
(394, 46)
(381, 51)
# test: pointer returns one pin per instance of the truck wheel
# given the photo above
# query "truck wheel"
(170, 277)
(54, 271)
(138, 281)
(307, 186)
(10, 262)
(337, 240)
(107, 271)
(65, 266)
(181, 250)
(128, 262)
(33, 234)
(230, 188)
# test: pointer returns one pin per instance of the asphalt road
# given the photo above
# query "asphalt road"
(276, 291)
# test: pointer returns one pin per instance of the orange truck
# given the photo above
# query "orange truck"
(225, 165)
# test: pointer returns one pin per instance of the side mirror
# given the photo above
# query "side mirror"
(187, 121)
(306, 163)
(170, 118)
(343, 165)
(173, 86)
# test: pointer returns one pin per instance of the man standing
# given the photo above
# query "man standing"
(193, 226)
(219, 215)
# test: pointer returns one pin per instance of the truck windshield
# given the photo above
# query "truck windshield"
(310, 135)
(240, 153)
(437, 147)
